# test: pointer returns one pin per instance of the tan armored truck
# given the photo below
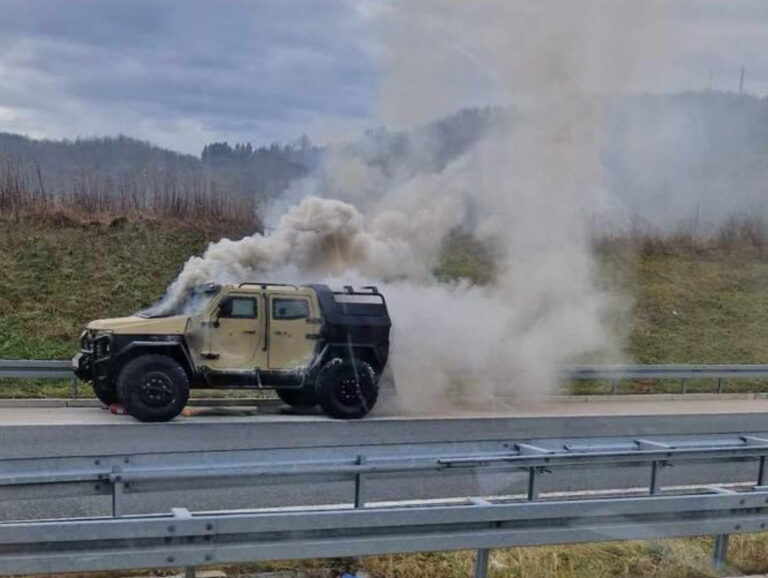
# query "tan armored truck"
(310, 344)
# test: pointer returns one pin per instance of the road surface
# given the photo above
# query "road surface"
(52, 432)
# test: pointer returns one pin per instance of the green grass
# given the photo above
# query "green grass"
(689, 304)
(58, 277)
(465, 258)
(43, 388)
(699, 308)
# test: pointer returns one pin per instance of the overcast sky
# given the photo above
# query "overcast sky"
(182, 73)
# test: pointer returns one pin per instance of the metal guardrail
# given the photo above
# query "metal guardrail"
(185, 539)
(675, 371)
(360, 527)
(35, 369)
(40, 369)
(683, 372)
(58, 369)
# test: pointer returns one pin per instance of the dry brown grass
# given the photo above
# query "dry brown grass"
(740, 236)
(679, 558)
(189, 200)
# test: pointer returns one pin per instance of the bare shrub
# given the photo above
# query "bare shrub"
(737, 234)
(187, 198)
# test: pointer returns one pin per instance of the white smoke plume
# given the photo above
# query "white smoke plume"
(527, 189)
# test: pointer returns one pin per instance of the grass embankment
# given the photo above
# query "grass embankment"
(691, 302)
(59, 274)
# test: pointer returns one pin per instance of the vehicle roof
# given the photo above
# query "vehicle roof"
(263, 286)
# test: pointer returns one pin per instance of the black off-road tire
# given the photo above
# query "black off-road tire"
(302, 398)
(153, 388)
(105, 394)
(347, 389)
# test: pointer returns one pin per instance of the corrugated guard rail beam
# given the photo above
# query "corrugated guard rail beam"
(35, 369)
(62, 369)
(40, 369)
(360, 528)
(186, 539)
(57, 369)
(681, 371)
(44, 478)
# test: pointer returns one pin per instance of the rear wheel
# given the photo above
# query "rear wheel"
(153, 388)
(106, 394)
(298, 397)
(347, 389)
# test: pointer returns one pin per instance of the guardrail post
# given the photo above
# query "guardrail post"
(360, 485)
(73, 388)
(117, 498)
(481, 563)
(614, 386)
(533, 491)
(761, 472)
(682, 385)
(720, 384)
(654, 487)
(720, 552)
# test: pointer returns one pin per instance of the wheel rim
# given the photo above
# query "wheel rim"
(349, 392)
(156, 390)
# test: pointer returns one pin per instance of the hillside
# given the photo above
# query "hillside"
(689, 157)
(115, 166)
(690, 303)
(58, 275)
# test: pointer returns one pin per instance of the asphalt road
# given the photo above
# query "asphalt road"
(52, 432)
(556, 407)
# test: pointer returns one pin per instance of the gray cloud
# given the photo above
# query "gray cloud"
(183, 72)
(186, 72)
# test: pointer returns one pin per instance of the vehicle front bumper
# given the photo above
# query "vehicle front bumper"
(81, 366)
(95, 352)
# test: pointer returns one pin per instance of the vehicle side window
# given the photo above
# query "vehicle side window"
(239, 308)
(290, 309)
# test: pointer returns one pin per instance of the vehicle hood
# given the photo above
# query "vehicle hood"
(141, 325)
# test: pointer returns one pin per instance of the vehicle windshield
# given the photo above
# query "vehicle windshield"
(190, 302)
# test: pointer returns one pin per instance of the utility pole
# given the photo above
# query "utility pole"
(741, 81)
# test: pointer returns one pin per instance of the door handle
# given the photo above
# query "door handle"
(281, 333)
(252, 332)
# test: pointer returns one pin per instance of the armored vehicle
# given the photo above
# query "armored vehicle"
(312, 345)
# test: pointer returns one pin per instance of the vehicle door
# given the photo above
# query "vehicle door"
(291, 337)
(235, 334)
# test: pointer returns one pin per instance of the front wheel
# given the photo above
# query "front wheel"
(106, 394)
(153, 388)
(347, 389)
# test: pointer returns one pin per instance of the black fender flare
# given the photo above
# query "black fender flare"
(370, 352)
(175, 349)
